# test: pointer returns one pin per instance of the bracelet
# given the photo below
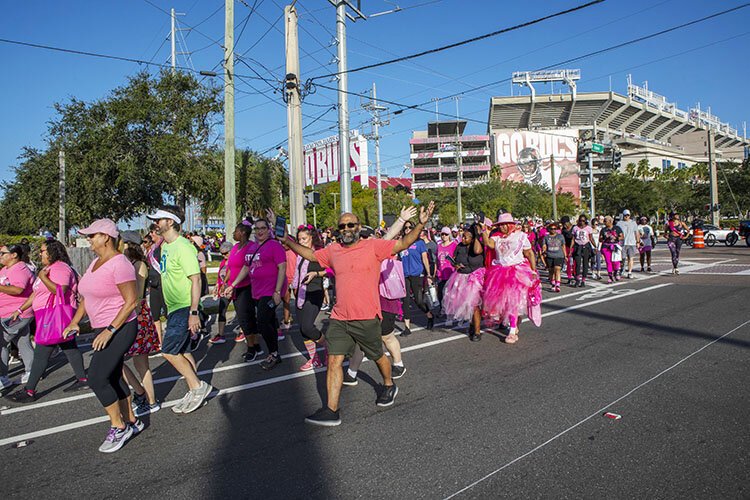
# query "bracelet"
(402, 220)
(277, 292)
(19, 311)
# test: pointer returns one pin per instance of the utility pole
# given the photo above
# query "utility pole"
(62, 228)
(459, 171)
(230, 211)
(375, 110)
(294, 120)
(345, 172)
(172, 38)
(554, 187)
(591, 176)
(714, 208)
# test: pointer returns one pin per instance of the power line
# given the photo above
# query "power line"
(464, 42)
(192, 28)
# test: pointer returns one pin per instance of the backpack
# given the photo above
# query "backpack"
(392, 283)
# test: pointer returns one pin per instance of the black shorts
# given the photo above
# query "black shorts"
(554, 262)
(156, 303)
(387, 324)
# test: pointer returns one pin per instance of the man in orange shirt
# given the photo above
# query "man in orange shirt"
(356, 317)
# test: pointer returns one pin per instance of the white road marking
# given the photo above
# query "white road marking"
(283, 378)
(595, 414)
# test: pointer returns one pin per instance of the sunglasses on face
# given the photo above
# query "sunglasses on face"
(224, 254)
(348, 225)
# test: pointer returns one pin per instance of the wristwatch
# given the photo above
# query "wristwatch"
(111, 329)
(194, 313)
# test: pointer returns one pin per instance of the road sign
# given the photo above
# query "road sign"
(597, 148)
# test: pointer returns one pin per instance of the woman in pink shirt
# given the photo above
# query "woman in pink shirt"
(15, 287)
(108, 295)
(57, 271)
(445, 249)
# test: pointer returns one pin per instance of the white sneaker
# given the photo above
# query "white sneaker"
(180, 407)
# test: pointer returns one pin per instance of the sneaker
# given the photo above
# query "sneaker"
(648, 269)
(581, 284)
(405, 332)
(217, 339)
(22, 379)
(349, 380)
(139, 400)
(285, 325)
(387, 395)
(14, 360)
(311, 365)
(22, 396)
(617, 277)
(557, 288)
(250, 354)
(240, 337)
(5, 382)
(281, 334)
(325, 307)
(677, 271)
(146, 409)
(180, 407)
(137, 426)
(430, 323)
(630, 275)
(609, 281)
(397, 371)
(195, 341)
(78, 385)
(258, 349)
(449, 323)
(115, 439)
(324, 417)
(197, 396)
(270, 362)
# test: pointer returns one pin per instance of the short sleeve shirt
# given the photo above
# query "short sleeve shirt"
(412, 258)
(265, 267)
(237, 256)
(509, 249)
(581, 235)
(21, 276)
(628, 228)
(357, 270)
(179, 261)
(99, 289)
(61, 274)
(555, 244)
(444, 266)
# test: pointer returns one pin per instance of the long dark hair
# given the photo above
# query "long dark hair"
(56, 252)
(246, 228)
(317, 240)
(134, 253)
(22, 251)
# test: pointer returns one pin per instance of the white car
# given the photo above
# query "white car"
(712, 234)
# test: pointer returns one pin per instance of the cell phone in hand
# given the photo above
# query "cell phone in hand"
(280, 226)
(451, 260)
(8, 322)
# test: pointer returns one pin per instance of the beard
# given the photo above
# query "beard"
(349, 237)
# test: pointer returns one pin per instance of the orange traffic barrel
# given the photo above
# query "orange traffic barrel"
(698, 238)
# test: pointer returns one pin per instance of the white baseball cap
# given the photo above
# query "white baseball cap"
(625, 212)
(163, 214)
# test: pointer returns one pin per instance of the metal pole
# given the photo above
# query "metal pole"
(714, 208)
(345, 173)
(315, 216)
(174, 60)
(62, 229)
(294, 120)
(459, 172)
(376, 129)
(554, 187)
(591, 185)
(230, 211)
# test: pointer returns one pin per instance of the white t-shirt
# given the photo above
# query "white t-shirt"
(509, 250)
(646, 232)
(629, 228)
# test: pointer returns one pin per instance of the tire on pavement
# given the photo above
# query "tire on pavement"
(710, 239)
(731, 239)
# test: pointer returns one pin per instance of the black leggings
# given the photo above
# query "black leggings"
(42, 354)
(582, 254)
(268, 324)
(414, 285)
(105, 370)
(223, 306)
(244, 306)
(308, 314)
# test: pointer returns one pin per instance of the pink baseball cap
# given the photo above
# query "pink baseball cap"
(446, 230)
(104, 226)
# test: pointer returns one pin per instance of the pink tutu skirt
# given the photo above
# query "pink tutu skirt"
(512, 291)
(462, 294)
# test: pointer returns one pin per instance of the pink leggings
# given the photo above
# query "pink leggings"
(513, 320)
(612, 267)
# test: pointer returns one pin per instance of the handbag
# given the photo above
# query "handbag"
(392, 282)
(53, 319)
(617, 254)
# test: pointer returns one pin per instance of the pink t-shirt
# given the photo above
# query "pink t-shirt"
(236, 260)
(21, 276)
(581, 234)
(444, 267)
(61, 274)
(357, 271)
(291, 265)
(99, 289)
(264, 269)
(509, 249)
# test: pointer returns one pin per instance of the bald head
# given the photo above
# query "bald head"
(347, 217)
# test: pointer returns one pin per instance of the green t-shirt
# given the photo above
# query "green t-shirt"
(179, 261)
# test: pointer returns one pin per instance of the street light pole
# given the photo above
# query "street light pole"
(345, 173)
(230, 211)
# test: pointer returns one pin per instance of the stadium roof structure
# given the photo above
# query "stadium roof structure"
(626, 116)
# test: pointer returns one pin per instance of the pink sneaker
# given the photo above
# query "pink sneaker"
(240, 337)
(281, 334)
(217, 339)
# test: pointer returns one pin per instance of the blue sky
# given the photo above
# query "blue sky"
(715, 75)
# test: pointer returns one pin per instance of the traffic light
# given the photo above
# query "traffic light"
(616, 159)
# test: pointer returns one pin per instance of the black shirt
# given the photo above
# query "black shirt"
(469, 259)
(316, 284)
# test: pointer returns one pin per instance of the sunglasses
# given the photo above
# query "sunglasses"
(408, 226)
(224, 254)
(348, 225)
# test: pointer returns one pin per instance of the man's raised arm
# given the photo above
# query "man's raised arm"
(411, 237)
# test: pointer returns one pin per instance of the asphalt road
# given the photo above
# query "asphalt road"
(472, 420)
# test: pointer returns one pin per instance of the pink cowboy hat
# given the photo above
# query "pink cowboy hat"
(506, 218)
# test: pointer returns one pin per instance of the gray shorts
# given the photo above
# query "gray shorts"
(629, 251)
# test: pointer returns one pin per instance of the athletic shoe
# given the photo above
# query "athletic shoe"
(137, 426)
(648, 269)
(217, 339)
(14, 360)
(78, 385)
(195, 341)
(197, 396)
(617, 277)
(557, 288)
(250, 354)
(609, 281)
(285, 325)
(115, 439)
(630, 275)
(430, 323)
(240, 337)
(642, 269)
(349, 380)
(387, 395)
(270, 362)
(677, 271)
(22, 396)
(258, 349)
(22, 379)
(397, 371)
(405, 332)
(281, 334)
(5, 382)
(146, 409)
(138, 400)
(581, 284)
(449, 323)
(324, 417)
(311, 365)
(325, 307)
(180, 407)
